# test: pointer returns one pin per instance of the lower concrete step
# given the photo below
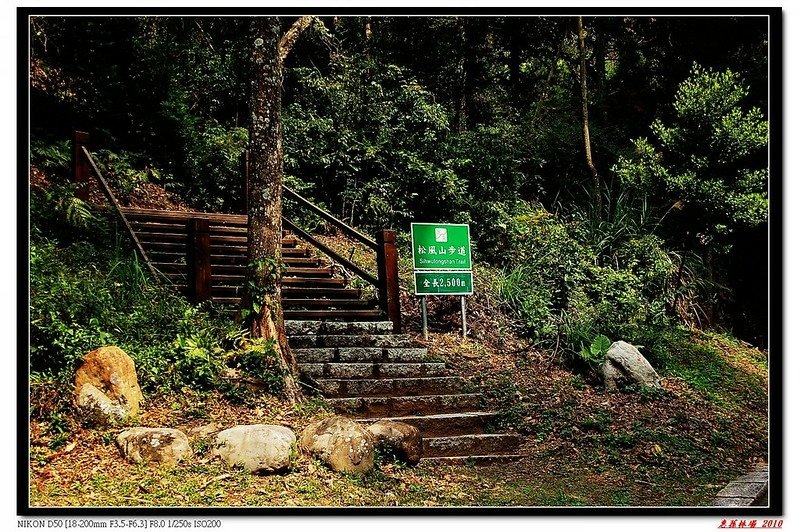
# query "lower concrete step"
(368, 407)
(344, 340)
(477, 460)
(372, 370)
(451, 424)
(341, 388)
(317, 327)
(471, 445)
(361, 354)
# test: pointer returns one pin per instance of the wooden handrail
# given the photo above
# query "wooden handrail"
(117, 207)
(331, 253)
(346, 229)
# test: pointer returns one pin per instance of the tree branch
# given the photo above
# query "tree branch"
(292, 34)
(585, 108)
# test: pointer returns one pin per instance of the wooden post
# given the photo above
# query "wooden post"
(198, 259)
(245, 179)
(81, 172)
(388, 277)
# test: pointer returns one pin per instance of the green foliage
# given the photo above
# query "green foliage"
(710, 155)
(502, 395)
(209, 153)
(123, 170)
(595, 352)
(258, 358)
(365, 136)
(53, 158)
(556, 285)
(599, 420)
(90, 292)
(313, 405)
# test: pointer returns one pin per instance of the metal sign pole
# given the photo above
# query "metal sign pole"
(463, 316)
(424, 318)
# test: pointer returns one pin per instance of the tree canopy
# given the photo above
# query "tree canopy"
(467, 119)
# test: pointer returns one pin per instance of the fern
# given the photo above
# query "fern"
(78, 213)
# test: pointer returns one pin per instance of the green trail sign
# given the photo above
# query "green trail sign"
(442, 283)
(441, 246)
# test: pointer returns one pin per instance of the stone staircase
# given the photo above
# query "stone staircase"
(368, 373)
(343, 343)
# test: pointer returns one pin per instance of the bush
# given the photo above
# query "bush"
(566, 295)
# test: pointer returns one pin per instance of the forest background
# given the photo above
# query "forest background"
(494, 155)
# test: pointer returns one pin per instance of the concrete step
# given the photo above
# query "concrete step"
(452, 424)
(315, 327)
(341, 388)
(344, 340)
(479, 460)
(368, 407)
(372, 370)
(361, 354)
(471, 445)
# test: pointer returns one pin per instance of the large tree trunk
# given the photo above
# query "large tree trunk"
(264, 230)
(587, 144)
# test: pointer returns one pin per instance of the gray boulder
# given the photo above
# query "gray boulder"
(625, 365)
(154, 445)
(260, 449)
(404, 440)
(341, 443)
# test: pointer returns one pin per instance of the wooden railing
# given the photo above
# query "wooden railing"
(84, 166)
(197, 237)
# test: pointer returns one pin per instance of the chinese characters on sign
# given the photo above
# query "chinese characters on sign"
(445, 283)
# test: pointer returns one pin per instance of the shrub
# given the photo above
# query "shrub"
(562, 291)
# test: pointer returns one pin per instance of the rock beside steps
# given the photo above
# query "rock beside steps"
(370, 374)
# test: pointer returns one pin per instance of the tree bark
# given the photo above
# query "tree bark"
(264, 229)
(587, 143)
(291, 36)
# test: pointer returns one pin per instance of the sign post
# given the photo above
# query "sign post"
(442, 265)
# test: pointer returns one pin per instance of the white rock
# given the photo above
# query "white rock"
(258, 448)
(624, 364)
(154, 445)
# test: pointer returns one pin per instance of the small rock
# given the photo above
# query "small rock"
(404, 440)
(95, 408)
(154, 445)
(258, 448)
(341, 443)
(624, 365)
